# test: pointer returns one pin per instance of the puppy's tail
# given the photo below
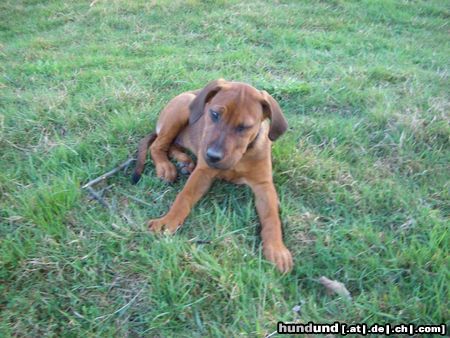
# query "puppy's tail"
(144, 144)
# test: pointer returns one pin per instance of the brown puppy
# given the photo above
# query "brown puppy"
(226, 126)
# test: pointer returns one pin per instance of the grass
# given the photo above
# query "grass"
(362, 173)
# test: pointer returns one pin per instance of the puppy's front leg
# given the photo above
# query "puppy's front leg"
(266, 201)
(196, 186)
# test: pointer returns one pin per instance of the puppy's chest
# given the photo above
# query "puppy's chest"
(236, 176)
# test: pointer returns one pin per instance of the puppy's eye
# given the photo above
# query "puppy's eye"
(215, 116)
(240, 128)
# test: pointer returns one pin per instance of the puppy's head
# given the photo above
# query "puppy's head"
(233, 113)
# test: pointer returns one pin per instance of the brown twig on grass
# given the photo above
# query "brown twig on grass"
(95, 194)
(124, 165)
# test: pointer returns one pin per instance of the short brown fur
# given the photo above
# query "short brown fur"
(224, 125)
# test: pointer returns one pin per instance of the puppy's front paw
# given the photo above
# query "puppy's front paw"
(166, 171)
(164, 224)
(279, 255)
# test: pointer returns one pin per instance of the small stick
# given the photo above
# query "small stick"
(109, 173)
(102, 191)
(96, 196)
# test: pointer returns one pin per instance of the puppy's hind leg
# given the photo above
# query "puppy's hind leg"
(184, 161)
(172, 120)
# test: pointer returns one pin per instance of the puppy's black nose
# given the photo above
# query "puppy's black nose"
(214, 155)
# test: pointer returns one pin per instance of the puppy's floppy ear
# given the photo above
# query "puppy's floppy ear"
(197, 106)
(272, 110)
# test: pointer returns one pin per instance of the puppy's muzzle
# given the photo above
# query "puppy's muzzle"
(214, 155)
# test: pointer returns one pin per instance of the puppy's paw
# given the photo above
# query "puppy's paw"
(279, 255)
(186, 168)
(166, 171)
(164, 224)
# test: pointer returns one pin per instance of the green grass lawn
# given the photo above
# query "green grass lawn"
(362, 173)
